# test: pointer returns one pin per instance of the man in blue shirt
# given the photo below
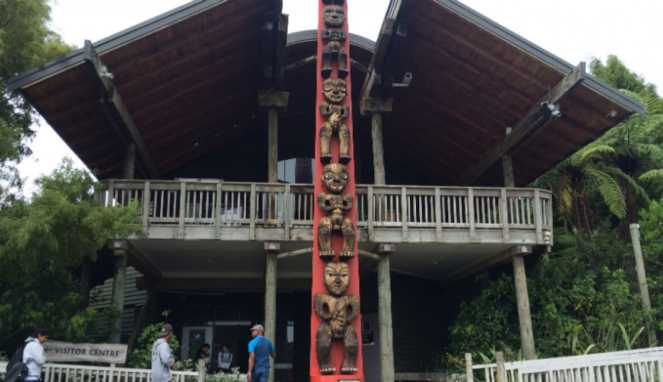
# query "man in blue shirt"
(260, 349)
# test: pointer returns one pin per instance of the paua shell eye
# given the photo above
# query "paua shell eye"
(328, 89)
(342, 90)
(344, 176)
(328, 176)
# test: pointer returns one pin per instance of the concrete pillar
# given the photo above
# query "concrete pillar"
(117, 298)
(507, 168)
(524, 317)
(378, 149)
(642, 279)
(384, 314)
(271, 250)
(273, 146)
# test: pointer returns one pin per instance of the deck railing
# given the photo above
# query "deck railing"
(644, 365)
(256, 205)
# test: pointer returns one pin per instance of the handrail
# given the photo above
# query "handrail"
(264, 205)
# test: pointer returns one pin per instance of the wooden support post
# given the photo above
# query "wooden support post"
(129, 162)
(378, 149)
(272, 102)
(86, 279)
(384, 313)
(117, 298)
(501, 370)
(273, 146)
(524, 316)
(142, 317)
(469, 370)
(201, 370)
(271, 251)
(507, 168)
(642, 280)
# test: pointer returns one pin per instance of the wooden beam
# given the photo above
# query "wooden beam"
(381, 48)
(117, 112)
(272, 99)
(534, 122)
(490, 263)
(207, 285)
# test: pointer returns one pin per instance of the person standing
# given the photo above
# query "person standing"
(162, 356)
(225, 359)
(260, 349)
(33, 353)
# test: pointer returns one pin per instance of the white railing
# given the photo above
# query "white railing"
(55, 372)
(645, 365)
(262, 205)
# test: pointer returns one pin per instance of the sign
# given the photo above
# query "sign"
(367, 338)
(56, 351)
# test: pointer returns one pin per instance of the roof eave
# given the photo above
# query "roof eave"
(109, 43)
(511, 37)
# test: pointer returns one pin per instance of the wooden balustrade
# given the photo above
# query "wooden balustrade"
(289, 206)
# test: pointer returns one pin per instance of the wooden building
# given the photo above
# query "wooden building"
(188, 113)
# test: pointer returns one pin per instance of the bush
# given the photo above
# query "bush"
(141, 355)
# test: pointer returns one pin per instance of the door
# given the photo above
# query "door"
(193, 338)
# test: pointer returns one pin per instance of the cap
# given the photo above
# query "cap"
(258, 327)
(165, 330)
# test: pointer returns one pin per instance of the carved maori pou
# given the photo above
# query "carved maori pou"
(333, 308)
(334, 49)
(335, 178)
(335, 91)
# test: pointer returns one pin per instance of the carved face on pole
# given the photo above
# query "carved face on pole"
(334, 90)
(334, 16)
(337, 277)
(335, 177)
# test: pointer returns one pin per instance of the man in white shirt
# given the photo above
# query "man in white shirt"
(225, 359)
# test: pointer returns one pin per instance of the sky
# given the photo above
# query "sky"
(575, 30)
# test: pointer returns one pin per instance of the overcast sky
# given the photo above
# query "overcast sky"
(575, 30)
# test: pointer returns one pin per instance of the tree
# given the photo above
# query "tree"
(25, 42)
(42, 241)
(636, 141)
(570, 180)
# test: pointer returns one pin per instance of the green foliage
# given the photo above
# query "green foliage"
(615, 73)
(42, 241)
(141, 355)
(25, 42)
(576, 308)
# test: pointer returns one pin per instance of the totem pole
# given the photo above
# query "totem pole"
(335, 317)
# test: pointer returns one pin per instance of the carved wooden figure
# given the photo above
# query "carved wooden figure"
(334, 49)
(333, 16)
(335, 178)
(338, 311)
(335, 90)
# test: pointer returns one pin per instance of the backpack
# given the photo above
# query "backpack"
(17, 371)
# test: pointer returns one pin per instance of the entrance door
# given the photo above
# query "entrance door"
(193, 338)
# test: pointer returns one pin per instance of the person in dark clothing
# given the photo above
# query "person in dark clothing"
(202, 353)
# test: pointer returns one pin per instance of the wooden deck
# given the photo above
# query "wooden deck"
(215, 210)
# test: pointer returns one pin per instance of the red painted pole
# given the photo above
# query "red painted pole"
(318, 263)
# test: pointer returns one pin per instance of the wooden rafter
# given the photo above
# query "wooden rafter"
(534, 122)
(116, 112)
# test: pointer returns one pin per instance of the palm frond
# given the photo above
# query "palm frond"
(610, 191)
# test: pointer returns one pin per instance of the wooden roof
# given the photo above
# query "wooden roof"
(472, 79)
(190, 78)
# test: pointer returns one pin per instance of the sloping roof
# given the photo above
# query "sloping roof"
(190, 78)
(473, 78)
